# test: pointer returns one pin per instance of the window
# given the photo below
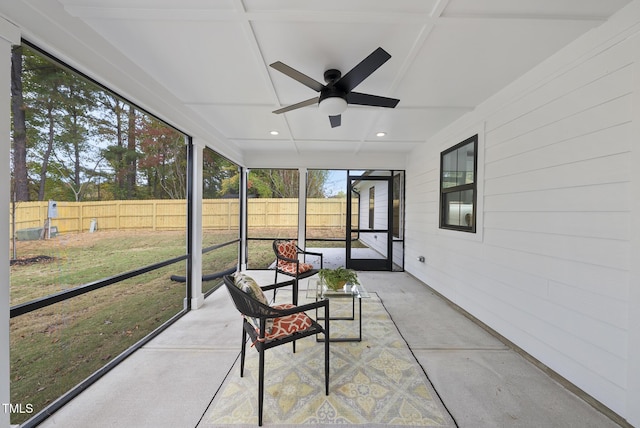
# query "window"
(458, 166)
(397, 203)
(372, 205)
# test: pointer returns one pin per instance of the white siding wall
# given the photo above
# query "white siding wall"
(551, 265)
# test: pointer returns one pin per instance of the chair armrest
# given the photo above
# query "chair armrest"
(301, 308)
(311, 252)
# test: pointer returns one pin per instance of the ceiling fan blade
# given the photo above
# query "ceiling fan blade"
(305, 103)
(296, 75)
(335, 120)
(361, 71)
(371, 100)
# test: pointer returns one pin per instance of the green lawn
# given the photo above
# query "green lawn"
(55, 348)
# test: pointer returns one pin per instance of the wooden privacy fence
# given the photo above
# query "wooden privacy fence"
(222, 214)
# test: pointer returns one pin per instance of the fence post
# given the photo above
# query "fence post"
(80, 208)
(12, 205)
(41, 217)
(155, 215)
(118, 215)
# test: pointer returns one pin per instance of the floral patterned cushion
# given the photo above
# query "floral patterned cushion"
(288, 249)
(290, 267)
(289, 324)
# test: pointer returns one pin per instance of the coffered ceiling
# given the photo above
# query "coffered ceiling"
(205, 63)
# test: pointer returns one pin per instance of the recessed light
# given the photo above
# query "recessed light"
(274, 133)
(381, 134)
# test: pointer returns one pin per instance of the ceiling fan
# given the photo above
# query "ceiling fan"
(337, 93)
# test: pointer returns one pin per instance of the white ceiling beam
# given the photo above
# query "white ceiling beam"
(439, 8)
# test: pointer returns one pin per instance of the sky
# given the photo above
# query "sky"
(336, 182)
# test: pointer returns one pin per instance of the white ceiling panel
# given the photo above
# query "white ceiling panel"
(213, 57)
(345, 148)
(180, 53)
(260, 146)
(310, 124)
(569, 9)
(405, 124)
(232, 123)
(464, 61)
(337, 6)
(386, 146)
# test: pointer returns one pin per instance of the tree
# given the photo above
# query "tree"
(131, 156)
(110, 127)
(20, 176)
(59, 106)
(163, 160)
(216, 173)
(279, 183)
(41, 92)
(72, 137)
(316, 180)
(46, 90)
(273, 183)
(76, 156)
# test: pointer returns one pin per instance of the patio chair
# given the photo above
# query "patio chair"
(288, 263)
(271, 326)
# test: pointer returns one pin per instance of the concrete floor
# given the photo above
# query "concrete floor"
(482, 382)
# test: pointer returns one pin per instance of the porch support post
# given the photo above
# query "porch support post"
(244, 243)
(9, 34)
(302, 208)
(633, 362)
(197, 297)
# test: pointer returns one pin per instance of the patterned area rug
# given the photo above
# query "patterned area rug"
(373, 383)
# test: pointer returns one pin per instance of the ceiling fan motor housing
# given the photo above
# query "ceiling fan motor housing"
(330, 90)
(332, 75)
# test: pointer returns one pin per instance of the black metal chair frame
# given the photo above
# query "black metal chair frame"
(297, 275)
(250, 307)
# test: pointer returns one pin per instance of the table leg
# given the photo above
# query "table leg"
(352, 318)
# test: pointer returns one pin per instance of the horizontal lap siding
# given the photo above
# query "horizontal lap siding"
(421, 208)
(551, 270)
(584, 333)
(568, 145)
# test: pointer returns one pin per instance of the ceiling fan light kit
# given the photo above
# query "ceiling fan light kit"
(337, 93)
(333, 106)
